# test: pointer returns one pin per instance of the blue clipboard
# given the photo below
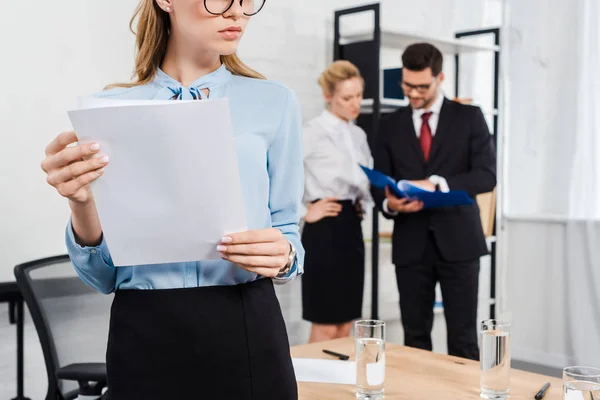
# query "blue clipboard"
(405, 189)
(381, 180)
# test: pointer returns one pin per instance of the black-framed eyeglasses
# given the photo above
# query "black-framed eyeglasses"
(220, 7)
(407, 87)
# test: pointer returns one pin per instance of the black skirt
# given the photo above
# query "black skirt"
(334, 268)
(219, 342)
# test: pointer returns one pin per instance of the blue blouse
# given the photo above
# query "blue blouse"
(267, 133)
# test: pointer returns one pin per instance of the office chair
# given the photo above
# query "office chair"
(72, 323)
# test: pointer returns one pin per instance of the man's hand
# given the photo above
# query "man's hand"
(402, 205)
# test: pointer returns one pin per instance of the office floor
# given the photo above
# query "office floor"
(290, 299)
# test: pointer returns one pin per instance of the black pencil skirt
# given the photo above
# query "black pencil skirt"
(334, 268)
(219, 342)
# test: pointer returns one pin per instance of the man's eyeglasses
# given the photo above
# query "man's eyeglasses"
(407, 87)
(220, 7)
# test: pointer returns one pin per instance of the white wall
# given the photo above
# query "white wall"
(542, 109)
(52, 52)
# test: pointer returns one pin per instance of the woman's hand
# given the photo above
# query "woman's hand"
(322, 209)
(264, 251)
(360, 211)
(70, 170)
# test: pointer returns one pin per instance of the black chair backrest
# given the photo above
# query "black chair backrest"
(71, 318)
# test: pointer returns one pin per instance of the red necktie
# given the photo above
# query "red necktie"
(425, 136)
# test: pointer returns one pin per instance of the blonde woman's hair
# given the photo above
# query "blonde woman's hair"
(152, 37)
(337, 72)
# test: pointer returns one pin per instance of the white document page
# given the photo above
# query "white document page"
(325, 371)
(172, 188)
(98, 102)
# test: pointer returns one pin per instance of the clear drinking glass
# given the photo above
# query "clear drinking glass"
(495, 359)
(370, 359)
(581, 383)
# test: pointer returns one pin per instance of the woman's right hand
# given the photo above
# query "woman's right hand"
(322, 209)
(71, 169)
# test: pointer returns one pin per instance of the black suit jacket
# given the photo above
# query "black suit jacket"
(463, 153)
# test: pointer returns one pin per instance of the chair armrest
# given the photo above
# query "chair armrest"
(90, 376)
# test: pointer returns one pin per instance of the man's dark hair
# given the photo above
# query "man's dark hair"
(420, 56)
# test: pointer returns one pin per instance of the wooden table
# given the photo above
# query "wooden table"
(413, 374)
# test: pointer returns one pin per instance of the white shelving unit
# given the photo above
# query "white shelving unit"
(364, 46)
(386, 105)
(390, 105)
(400, 40)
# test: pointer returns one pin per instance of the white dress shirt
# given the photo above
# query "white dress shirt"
(333, 150)
(435, 109)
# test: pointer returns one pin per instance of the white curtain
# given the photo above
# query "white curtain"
(583, 226)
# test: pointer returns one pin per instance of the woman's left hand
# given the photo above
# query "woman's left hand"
(360, 211)
(263, 251)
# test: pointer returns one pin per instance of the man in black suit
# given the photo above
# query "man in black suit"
(440, 145)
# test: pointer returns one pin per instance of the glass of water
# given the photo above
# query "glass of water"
(495, 359)
(581, 383)
(370, 359)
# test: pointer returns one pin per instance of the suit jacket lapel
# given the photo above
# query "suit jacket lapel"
(442, 128)
(409, 127)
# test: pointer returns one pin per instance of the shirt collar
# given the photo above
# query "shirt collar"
(171, 87)
(332, 120)
(435, 108)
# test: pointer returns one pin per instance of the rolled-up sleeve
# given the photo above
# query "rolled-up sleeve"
(93, 264)
(286, 173)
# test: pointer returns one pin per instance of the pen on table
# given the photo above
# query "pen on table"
(540, 395)
(338, 355)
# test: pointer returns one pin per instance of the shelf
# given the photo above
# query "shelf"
(389, 105)
(386, 105)
(401, 40)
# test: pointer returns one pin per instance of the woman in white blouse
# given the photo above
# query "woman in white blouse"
(336, 193)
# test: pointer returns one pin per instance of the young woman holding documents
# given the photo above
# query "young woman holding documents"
(205, 329)
(336, 193)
